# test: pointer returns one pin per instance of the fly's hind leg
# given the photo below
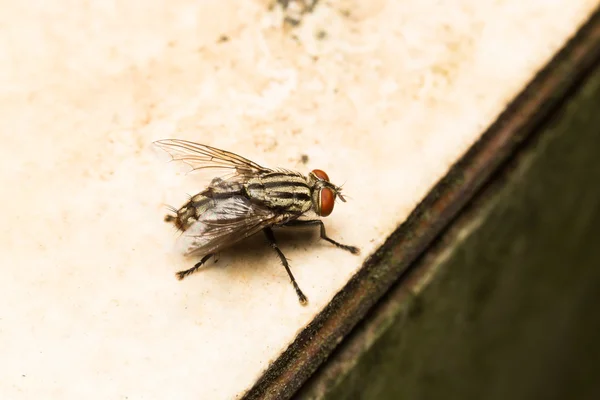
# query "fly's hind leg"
(271, 238)
(311, 222)
(182, 274)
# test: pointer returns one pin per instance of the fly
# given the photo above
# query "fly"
(247, 200)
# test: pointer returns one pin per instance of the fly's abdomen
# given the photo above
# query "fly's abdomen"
(282, 191)
(191, 211)
(200, 203)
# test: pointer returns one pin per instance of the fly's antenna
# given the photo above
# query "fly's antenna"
(338, 190)
(344, 197)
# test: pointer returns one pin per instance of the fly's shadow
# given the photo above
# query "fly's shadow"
(249, 250)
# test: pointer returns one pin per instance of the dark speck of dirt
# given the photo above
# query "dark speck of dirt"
(321, 35)
(304, 158)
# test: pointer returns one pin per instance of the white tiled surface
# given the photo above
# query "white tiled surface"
(394, 93)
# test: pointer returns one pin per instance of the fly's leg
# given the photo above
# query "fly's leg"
(182, 274)
(271, 238)
(351, 249)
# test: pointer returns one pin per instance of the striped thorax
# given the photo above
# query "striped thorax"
(286, 192)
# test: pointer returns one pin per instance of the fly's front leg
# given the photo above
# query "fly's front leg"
(271, 238)
(182, 274)
(351, 249)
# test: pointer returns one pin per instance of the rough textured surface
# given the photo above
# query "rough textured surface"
(508, 305)
(384, 96)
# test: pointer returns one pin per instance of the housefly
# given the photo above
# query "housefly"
(248, 199)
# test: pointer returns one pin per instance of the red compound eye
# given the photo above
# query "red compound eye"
(320, 174)
(326, 202)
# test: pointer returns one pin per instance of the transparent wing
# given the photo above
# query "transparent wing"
(229, 221)
(200, 156)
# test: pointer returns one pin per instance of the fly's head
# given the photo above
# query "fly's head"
(324, 192)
